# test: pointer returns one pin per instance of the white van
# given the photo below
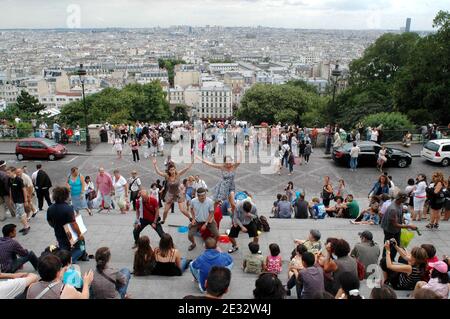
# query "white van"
(437, 151)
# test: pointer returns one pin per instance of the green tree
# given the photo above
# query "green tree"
(28, 105)
(10, 112)
(424, 83)
(267, 103)
(169, 65)
(180, 113)
(389, 121)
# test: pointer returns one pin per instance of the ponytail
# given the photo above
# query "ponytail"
(102, 257)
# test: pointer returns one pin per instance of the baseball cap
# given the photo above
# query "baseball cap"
(366, 234)
(201, 191)
(315, 233)
(2, 163)
(439, 266)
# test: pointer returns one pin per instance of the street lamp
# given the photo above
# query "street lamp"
(82, 74)
(336, 73)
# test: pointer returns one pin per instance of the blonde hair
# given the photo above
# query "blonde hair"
(438, 176)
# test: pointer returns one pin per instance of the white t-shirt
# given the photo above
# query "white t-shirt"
(77, 132)
(220, 139)
(134, 183)
(161, 141)
(27, 180)
(119, 184)
(154, 193)
(374, 136)
(11, 288)
(354, 152)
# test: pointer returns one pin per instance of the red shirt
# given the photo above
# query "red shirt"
(147, 210)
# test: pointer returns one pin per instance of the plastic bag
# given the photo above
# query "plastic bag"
(405, 237)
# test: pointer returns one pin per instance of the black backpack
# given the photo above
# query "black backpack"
(264, 224)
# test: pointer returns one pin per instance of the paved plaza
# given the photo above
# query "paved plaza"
(115, 230)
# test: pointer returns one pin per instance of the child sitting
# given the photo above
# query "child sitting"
(318, 208)
(296, 260)
(273, 262)
(275, 206)
(254, 262)
(338, 209)
(370, 217)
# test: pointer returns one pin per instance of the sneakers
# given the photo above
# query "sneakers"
(35, 213)
(26, 231)
(436, 226)
(192, 247)
(430, 226)
(233, 249)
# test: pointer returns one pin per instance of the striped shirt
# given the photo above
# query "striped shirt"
(408, 282)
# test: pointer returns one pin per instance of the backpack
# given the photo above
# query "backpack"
(264, 224)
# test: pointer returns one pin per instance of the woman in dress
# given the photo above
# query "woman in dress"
(327, 192)
(121, 189)
(419, 196)
(77, 187)
(341, 189)
(225, 189)
(437, 199)
(173, 178)
(118, 147)
(381, 158)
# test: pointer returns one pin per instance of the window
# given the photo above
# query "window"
(367, 148)
(37, 145)
(432, 146)
(24, 144)
(446, 148)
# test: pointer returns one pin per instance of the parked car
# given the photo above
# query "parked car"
(369, 155)
(39, 148)
(437, 151)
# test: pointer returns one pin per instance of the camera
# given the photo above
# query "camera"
(392, 241)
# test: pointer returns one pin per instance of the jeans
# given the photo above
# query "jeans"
(291, 168)
(284, 160)
(353, 162)
(57, 136)
(19, 261)
(76, 250)
(135, 155)
(123, 290)
(144, 223)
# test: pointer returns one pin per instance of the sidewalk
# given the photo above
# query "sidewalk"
(9, 148)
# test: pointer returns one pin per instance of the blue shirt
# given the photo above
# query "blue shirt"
(210, 258)
(56, 128)
(374, 218)
(319, 211)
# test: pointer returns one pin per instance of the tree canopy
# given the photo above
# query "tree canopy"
(134, 102)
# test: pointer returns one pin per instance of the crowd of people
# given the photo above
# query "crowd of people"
(316, 269)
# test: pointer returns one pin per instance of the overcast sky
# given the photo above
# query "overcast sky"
(313, 14)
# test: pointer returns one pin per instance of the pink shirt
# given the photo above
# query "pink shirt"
(274, 264)
(104, 183)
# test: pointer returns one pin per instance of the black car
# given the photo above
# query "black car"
(369, 155)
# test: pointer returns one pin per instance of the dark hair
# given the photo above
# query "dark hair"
(64, 256)
(169, 166)
(253, 247)
(8, 229)
(309, 259)
(73, 169)
(284, 198)
(279, 196)
(430, 249)
(274, 249)
(247, 206)
(383, 292)
(165, 244)
(268, 286)
(87, 178)
(341, 248)
(102, 257)
(38, 166)
(350, 281)
(154, 184)
(48, 267)
(210, 243)
(338, 197)
(333, 241)
(218, 281)
(61, 194)
(411, 181)
(442, 277)
(144, 254)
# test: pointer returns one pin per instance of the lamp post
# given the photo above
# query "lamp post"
(336, 73)
(82, 74)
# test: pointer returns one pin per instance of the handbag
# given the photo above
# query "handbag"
(405, 237)
(361, 270)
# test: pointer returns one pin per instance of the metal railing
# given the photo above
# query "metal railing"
(17, 133)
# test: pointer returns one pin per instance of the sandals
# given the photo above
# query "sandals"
(233, 249)
(192, 247)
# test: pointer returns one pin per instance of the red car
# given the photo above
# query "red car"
(39, 148)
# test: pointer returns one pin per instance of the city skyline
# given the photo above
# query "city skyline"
(292, 14)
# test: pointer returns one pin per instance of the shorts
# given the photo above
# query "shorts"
(193, 229)
(252, 230)
(172, 198)
(419, 204)
(20, 209)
